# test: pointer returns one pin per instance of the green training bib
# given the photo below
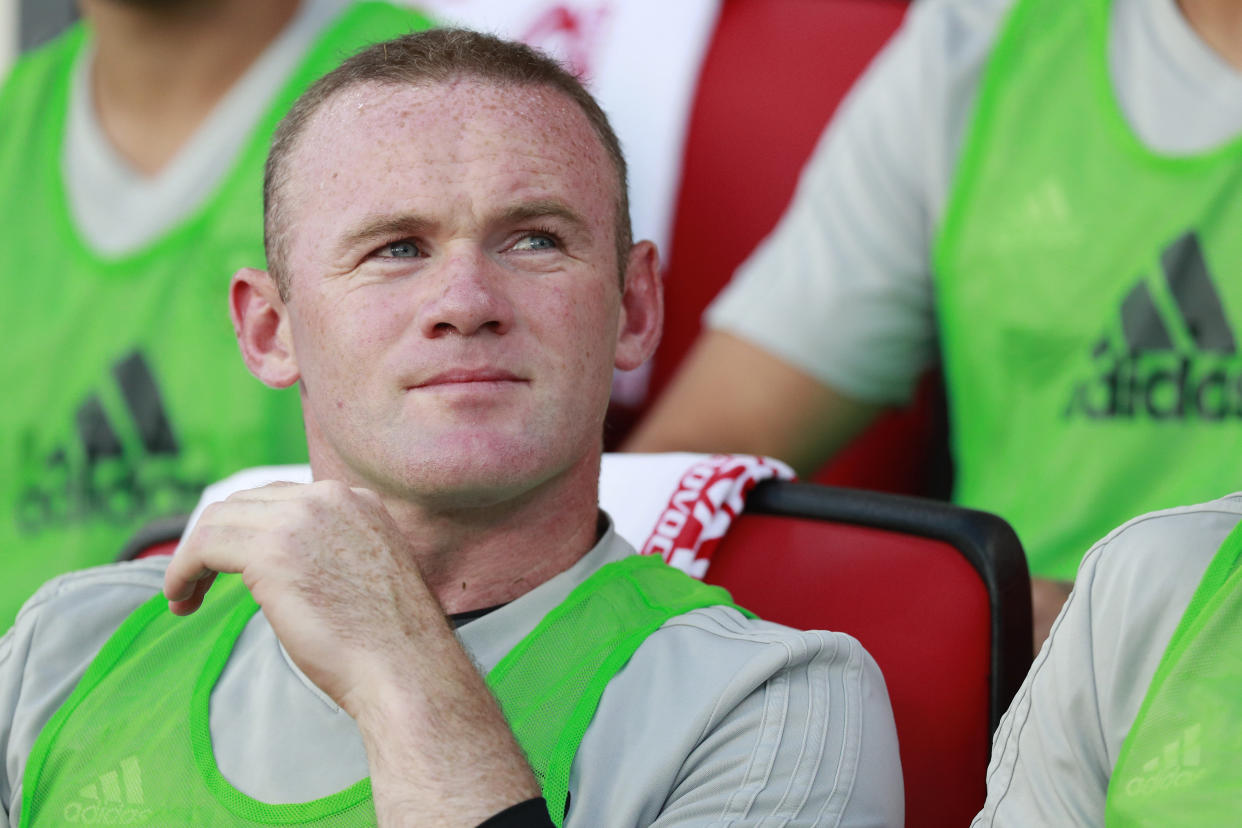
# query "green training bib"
(1088, 299)
(132, 744)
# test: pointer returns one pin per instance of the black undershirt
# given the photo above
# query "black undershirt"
(533, 813)
(459, 619)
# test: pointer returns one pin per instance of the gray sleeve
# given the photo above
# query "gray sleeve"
(750, 723)
(815, 745)
(52, 642)
(10, 687)
(842, 289)
(1055, 749)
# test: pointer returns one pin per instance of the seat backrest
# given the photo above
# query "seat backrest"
(772, 77)
(157, 537)
(939, 595)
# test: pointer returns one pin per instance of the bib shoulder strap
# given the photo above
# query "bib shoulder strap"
(550, 684)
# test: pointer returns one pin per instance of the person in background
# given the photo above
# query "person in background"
(1130, 714)
(451, 284)
(1043, 195)
(131, 157)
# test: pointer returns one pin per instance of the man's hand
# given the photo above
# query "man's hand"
(343, 593)
(331, 572)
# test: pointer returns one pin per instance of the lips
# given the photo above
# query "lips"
(468, 376)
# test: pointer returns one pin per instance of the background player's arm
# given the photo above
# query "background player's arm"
(733, 396)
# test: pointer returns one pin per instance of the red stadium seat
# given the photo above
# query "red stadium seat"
(772, 77)
(939, 595)
(159, 537)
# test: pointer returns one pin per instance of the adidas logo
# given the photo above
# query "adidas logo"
(114, 473)
(115, 799)
(1176, 364)
(1177, 766)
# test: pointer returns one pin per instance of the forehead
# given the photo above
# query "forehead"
(465, 143)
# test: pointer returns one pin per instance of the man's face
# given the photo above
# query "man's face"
(454, 309)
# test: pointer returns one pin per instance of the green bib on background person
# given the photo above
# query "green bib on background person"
(1179, 764)
(1088, 299)
(133, 741)
(124, 391)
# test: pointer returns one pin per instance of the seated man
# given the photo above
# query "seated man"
(1130, 715)
(451, 285)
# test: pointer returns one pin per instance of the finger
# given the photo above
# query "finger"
(276, 490)
(248, 514)
(207, 550)
(194, 600)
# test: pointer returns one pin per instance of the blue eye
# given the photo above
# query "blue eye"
(536, 241)
(404, 249)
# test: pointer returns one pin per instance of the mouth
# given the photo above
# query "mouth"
(469, 378)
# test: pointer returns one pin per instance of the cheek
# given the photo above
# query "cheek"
(383, 320)
(340, 337)
(585, 317)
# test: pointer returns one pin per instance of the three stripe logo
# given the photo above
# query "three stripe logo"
(1174, 361)
(142, 400)
(116, 798)
(1198, 303)
(1178, 766)
(121, 467)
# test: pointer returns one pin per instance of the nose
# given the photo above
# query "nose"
(469, 298)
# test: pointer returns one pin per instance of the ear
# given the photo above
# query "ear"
(261, 323)
(642, 307)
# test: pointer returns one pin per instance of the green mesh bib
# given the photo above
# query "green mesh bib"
(132, 744)
(1088, 299)
(1181, 763)
(125, 394)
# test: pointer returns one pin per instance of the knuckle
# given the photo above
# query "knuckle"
(297, 513)
(334, 489)
(212, 512)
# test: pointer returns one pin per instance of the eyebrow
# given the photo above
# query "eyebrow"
(382, 227)
(412, 224)
(543, 209)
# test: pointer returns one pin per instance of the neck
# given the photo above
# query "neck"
(1219, 23)
(479, 556)
(159, 69)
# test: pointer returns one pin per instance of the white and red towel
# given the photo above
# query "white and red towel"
(676, 505)
(679, 505)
